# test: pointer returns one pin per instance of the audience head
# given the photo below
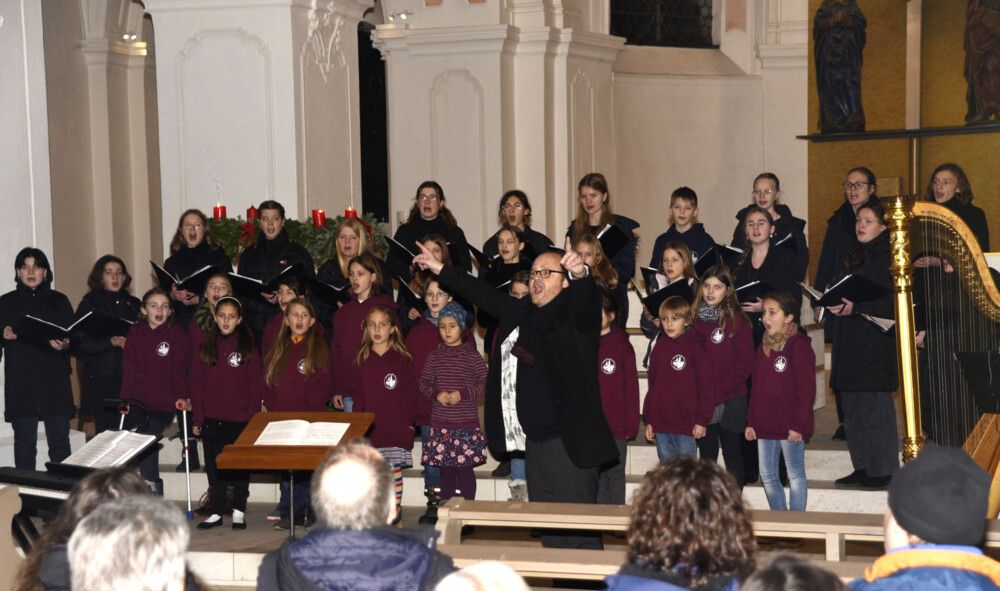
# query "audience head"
(548, 278)
(949, 182)
(675, 315)
(688, 518)
(352, 489)
(789, 572)
(683, 207)
(110, 274)
(94, 489)
(271, 218)
(859, 186)
(488, 575)
(32, 268)
(192, 230)
(940, 497)
(515, 209)
(429, 203)
(766, 190)
(134, 543)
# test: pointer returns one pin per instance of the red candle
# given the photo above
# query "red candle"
(350, 212)
(319, 218)
(251, 213)
(219, 212)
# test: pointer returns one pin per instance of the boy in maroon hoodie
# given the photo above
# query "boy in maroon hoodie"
(780, 417)
(619, 383)
(681, 395)
(154, 374)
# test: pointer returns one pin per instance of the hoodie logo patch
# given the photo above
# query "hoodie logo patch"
(717, 336)
(678, 362)
(390, 381)
(163, 349)
(302, 367)
(234, 359)
(780, 364)
(608, 366)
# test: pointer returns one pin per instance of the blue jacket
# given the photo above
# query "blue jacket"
(383, 558)
(931, 568)
(696, 239)
(635, 577)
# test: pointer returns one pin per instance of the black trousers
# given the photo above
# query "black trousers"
(732, 450)
(554, 478)
(155, 423)
(872, 437)
(215, 435)
(26, 439)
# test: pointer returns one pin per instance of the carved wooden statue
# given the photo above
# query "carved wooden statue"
(839, 39)
(982, 60)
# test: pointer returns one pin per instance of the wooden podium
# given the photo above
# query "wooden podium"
(244, 455)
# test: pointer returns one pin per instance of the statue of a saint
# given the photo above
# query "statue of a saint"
(839, 38)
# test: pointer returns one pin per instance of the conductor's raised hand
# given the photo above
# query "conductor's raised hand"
(425, 261)
(573, 262)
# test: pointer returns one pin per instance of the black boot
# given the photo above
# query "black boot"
(502, 470)
(430, 516)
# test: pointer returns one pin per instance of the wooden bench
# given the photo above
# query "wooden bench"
(835, 528)
(572, 564)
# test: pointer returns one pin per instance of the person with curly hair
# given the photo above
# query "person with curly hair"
(689, 529)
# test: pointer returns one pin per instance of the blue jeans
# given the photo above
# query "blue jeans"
(669, 445)
(517, 471)
(26, 439)
(432, 474)
(795, 460)
(348, 404)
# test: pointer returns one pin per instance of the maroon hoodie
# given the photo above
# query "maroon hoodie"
(274, 327)
(783, 391)
(730, 352)
(154, 366)
(388, 388)
(681, 391)
(347, 336)
(229, 390)
(619, 383)
(295, 392)
(422, 339)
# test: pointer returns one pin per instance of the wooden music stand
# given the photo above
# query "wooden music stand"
(244, 455)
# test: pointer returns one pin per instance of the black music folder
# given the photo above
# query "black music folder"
(329, 294)
(195, 282)
(36, 331)
(100, 324)
(681, 288)
(612, 240)
(706, 261)
(485, 263)
(750, 292)
(249, 287)
(649, 279)
(855, 288)
(409, 296)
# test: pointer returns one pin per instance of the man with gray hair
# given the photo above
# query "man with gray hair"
(354, 546)
(133, 543)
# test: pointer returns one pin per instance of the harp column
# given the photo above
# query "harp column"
(898, 218)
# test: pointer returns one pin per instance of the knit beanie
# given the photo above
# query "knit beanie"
(941, 497)
(456, 311)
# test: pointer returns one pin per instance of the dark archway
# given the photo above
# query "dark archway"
(374, 130)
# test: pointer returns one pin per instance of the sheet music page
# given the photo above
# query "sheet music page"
(124, 449)
(283, 433)
(324, 434)
(95, 449)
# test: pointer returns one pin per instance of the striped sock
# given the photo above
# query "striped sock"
(397, 476)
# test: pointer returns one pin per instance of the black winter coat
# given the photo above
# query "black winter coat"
(864, 357)
(564, 336)
(410, 233)
(264, 260)
(187, 260)
(535, 243)
(775, 272)
(100, 364)
(37, 379)
(383, 558)
(785, 225)
(838, 242)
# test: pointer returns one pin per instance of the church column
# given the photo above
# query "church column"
(257, 100)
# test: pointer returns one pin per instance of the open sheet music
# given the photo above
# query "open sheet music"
(297, 432)
(110, 448)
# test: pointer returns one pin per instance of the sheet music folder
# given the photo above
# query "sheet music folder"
(107, 449)
(245, 455)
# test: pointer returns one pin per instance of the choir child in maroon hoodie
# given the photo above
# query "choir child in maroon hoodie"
(619, 384)
(420, 341)
(289, 289)
(365, 274)
(454, 380)
(298, 377)
(154, 374)
(781, 401)
(387, 386)
(681, 394)
(728, 339)
(226, 383)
